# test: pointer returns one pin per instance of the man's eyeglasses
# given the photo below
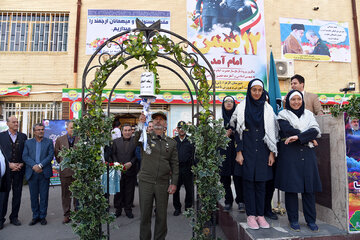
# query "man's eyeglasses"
(36, 130)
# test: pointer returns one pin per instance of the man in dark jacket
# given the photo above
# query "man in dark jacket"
(123, 151)
(12, 144)
(237, 11)
(186, 152)
(38, 154)
(320, 47)
(209, 13)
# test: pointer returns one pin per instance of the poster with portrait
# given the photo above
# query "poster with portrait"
(316, 40)
(102, 24)
(3, 126)
(353, 172)
(231, 35)
(53, 130)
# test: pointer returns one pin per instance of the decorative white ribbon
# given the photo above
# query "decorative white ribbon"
(145, 102)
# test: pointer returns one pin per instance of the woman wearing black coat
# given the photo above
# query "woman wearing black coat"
(297, 170)
(229, 166)
(256, 149)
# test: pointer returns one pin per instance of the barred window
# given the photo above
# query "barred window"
(33, 31)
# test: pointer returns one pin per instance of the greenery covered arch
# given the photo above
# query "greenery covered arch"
(94, 128)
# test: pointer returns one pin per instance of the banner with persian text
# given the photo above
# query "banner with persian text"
(316, 40)
(231, 35)
(102, 24)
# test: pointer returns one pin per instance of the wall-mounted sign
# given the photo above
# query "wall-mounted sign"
(316, 40)
(102, 24)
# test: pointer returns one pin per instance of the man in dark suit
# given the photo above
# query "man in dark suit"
(123, 151)
(186, 152)
(12, 144)
(38, 154)
(66, 175)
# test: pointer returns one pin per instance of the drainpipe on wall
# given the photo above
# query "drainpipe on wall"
(77, 34)
(357, 43)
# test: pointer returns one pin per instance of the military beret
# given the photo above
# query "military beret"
(181, 124)
(159, 114)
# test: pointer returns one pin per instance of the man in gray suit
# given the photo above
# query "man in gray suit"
(66, 175)
(38, 154)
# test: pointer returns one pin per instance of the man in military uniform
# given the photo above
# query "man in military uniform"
(209, 13)
(320, 47)
(158, 176)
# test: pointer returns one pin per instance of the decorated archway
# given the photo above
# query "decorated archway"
(118, 50)
(146, 44)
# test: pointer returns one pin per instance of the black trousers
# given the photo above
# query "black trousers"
(226, 182)
(292, 207)
(254, 195)
(125, 197)
(239, 190)
(16, 181)
(270, 188)
(186, 179)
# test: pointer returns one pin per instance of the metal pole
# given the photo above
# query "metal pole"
(107, 197)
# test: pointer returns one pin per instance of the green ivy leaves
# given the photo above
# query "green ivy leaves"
(352, 109)
(208, 137)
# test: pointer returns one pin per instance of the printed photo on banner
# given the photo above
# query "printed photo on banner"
(3, 126)
(352, 132)
(102, 24)
(316, 40)
(53, 130)
(231, 35)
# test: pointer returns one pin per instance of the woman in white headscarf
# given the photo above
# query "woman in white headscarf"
(256, 149)
(297, 170)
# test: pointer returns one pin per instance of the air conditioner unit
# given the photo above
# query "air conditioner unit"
(284, 68)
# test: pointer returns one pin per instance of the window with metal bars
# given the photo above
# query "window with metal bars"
(29, 113)
(34, 31)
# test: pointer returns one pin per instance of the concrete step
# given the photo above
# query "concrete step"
(233, 224)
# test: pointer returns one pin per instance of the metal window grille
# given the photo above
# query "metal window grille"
(30, 113)
(33, 31)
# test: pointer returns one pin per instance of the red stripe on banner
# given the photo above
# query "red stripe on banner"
(333, 103)
(71, 114)
(251, 25)
(15, 94)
